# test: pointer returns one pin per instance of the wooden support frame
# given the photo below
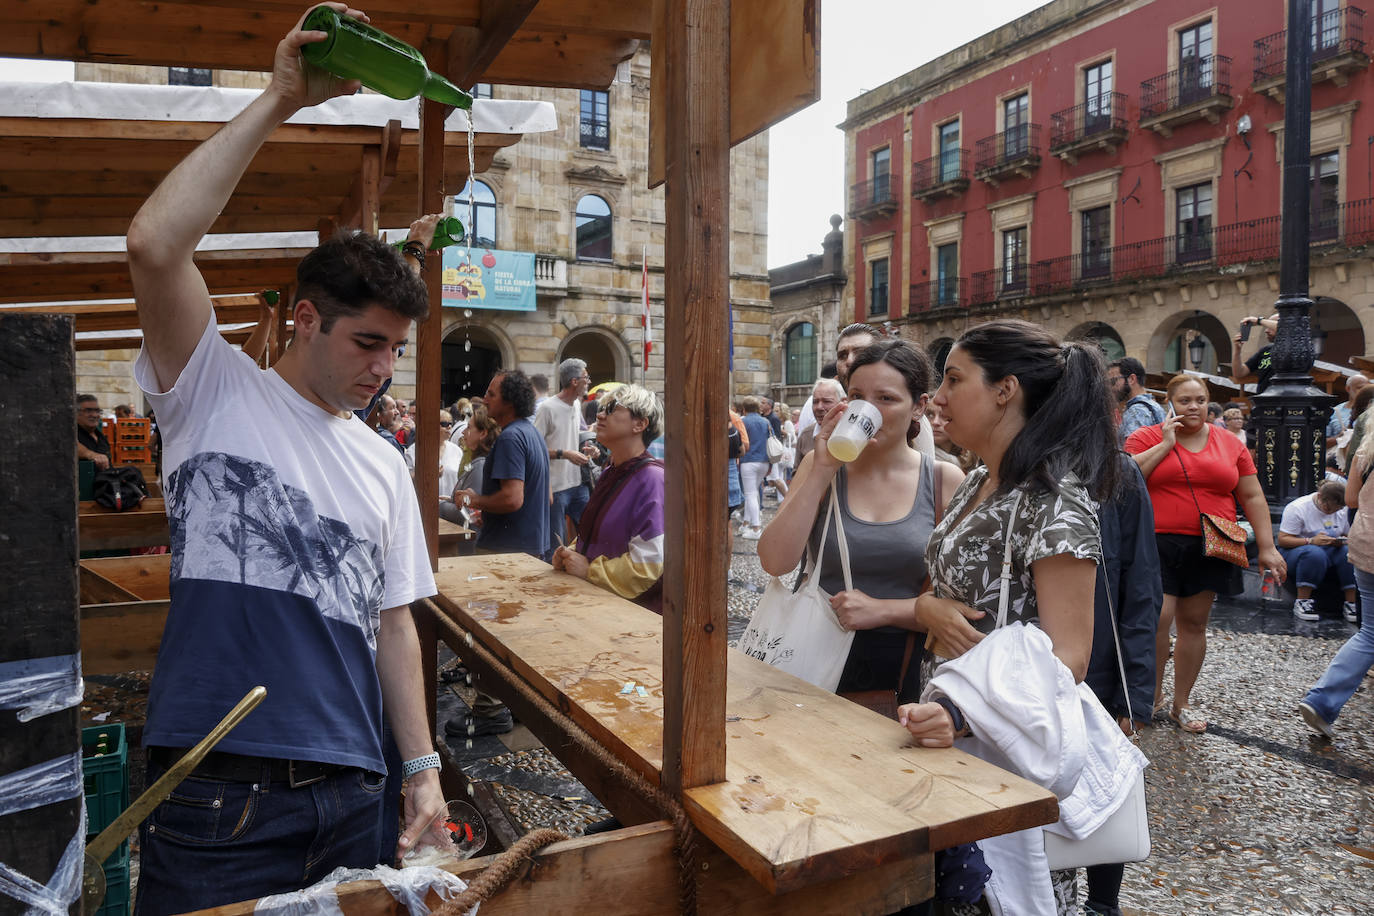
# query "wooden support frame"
(472, 49)
(629, 873)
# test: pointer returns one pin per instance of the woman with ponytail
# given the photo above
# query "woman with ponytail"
(1039, 415)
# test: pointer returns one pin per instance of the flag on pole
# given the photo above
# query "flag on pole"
(644, 288)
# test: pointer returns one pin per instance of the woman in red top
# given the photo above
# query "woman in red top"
(1221, 473)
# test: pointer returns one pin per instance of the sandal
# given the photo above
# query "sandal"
(1187, 720)
(1160, 707)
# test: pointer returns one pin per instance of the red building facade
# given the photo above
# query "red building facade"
(1113, 169)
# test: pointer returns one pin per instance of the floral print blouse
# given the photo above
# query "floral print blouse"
(965, 551)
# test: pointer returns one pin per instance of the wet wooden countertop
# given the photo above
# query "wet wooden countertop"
(816, 788)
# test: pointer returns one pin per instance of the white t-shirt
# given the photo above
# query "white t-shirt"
(1302, 518)
(558, 422)
(450, 460)
(292, 530)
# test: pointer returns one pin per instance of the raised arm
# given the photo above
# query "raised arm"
(173, 301)
(783, 542)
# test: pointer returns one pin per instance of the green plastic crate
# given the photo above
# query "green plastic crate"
(106, 782)
(116, 888)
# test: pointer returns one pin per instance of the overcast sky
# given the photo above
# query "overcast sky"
(864, 43)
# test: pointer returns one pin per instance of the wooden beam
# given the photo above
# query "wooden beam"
(471, 50)
(429, 334)
(633, 872)
(697, 294)
(39, 616)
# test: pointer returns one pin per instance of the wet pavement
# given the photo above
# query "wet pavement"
(1256, 816)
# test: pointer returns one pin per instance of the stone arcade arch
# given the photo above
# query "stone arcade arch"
(1344, 333)
(607, 356)
(1168, 351)
(472, 353)
(938, 350)
(1102, 334)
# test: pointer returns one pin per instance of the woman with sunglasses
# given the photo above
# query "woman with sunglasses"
(619, 542)
(450, 461)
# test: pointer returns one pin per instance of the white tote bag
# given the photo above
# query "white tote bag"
(798, 632)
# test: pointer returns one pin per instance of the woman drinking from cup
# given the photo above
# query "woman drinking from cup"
(887, 503)
(1191, 467)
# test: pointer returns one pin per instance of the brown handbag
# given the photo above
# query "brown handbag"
(884, 702)
(1222, 537)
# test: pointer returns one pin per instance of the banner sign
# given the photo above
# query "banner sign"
(492, 280)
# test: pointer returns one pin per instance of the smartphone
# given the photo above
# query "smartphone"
(1170, 413)
(1245, 332)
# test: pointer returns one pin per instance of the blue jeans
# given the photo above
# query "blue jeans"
(1309, 564)
(1352, 662)
(212, 843)
(569, 502)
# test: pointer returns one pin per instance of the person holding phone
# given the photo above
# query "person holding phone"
(1259, 368)
(1312, 539)
(1191, 467)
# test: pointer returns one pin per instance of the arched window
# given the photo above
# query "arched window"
(800, 354)
(483, 212)
(593, 229)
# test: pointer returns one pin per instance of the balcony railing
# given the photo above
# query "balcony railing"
(1350, 224)
(1014, 150)
(1335, 34)
(947, 173)
(950, 292)
(1098, 121)
(874, 197)
(1197, 81)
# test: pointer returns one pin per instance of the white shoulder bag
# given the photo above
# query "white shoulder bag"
(798, 632)
(1125, 836)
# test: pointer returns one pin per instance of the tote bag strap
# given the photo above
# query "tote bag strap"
(1120, 656)
(811, 560)
(1004, 597)
(831, 511)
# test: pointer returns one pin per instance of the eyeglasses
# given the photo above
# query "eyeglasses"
(445, 424)
(88, 410)
(608, 407)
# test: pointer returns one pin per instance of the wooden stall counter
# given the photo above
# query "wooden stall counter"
(452, 536)
(817, 788)
(105, 529)
(124, 602)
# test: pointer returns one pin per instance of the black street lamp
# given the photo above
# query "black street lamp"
(1197, 348)
(1290, 415)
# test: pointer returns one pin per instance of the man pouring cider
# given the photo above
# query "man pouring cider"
(296, 543)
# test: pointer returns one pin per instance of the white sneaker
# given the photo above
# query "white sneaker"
(751, 534)
(1302, 609)
(1315, 721)
(1352, 614)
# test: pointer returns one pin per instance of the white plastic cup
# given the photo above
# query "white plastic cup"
(860, 423)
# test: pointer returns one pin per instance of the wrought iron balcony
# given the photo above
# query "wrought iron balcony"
(872, 198)
(1015, 152)
(1200, 88)
(950, 292)
(1350, 224)
(945, 174)
(1097, 124)
(1338, 50)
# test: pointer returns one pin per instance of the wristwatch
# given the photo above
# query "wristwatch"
(427, 762)
(558, 453)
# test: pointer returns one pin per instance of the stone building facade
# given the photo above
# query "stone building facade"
(588, 296)
(1112, 169)
(808, 298)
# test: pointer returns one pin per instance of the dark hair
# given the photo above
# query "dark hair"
(1213, 408)
(589, 411)
(1361, 401)
(540, 381)
(353, 271)
(1332, 492)
(859, 327)
(517, 391)
(1128, 366)
(82, 398)
(911, 362)
(1070, 428)
(829, 370)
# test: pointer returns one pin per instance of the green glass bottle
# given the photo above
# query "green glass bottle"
(448, 232)
(355, 50)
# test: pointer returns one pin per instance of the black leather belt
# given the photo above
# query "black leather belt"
(242, 768)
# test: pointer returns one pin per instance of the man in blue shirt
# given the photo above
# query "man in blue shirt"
(514, 501)
(1126, 377)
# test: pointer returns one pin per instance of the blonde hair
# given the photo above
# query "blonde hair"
(641, 403)
(1364, 454)
(1178, 381)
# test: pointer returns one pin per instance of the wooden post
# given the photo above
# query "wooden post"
(429, 334)
(38, 619)
(696, 306)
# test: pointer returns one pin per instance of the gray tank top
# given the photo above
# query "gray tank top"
(886, 559)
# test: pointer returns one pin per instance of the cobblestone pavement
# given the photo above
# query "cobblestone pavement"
(1256, 816)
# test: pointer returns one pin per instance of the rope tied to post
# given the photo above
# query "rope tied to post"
(498, 874)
